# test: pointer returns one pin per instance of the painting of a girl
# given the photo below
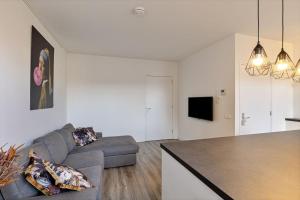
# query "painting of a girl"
(42, 58)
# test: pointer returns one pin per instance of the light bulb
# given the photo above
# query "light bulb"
(258, 63)
(282, 65)
(258, 60)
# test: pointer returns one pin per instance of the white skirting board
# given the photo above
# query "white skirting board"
(180, 184)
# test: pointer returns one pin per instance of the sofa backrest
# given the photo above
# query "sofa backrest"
(56, 146)
(21, 189)
(66, 133)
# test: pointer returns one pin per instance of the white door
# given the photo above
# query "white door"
(255, 104)
(159, 108)
(259, 96)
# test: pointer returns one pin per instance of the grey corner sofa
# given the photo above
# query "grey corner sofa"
(59, 146)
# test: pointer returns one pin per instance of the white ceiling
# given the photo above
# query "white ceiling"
(170, 30)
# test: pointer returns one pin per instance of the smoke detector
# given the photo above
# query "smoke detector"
(139, 10)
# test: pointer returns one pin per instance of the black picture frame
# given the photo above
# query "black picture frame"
(41, 72)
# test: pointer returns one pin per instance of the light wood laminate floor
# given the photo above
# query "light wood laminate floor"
(139, 182)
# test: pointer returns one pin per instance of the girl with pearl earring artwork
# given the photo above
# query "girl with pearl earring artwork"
(41, 89)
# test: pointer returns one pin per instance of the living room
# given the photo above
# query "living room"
(156, 80)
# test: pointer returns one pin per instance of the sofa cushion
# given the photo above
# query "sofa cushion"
(84, 136)
(21, 188)
(56, 146)
(95, 176)
(111, 146)
(37, 175)
(99, 135)
(67, 177)
(85, 159)
(88, 194)
(66, 133)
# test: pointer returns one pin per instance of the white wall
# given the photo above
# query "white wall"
(108, 93)
(17, 123)
(205, 74)
(280, 91)
(297, 85)
(296, 100)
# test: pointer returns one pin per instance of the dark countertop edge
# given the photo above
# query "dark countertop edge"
(213, 187)
(293, 119)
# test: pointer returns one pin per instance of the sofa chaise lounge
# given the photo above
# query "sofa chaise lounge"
(59, 146)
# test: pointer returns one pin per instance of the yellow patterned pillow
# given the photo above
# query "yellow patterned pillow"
(66, 177)
(37, 175)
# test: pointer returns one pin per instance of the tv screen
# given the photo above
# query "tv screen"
(201, 108)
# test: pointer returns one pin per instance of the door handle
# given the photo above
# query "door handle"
(244, 119)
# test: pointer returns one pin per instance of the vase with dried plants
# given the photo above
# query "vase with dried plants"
(9, 168)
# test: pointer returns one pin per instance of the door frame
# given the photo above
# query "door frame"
(238, 116)
(173, 102)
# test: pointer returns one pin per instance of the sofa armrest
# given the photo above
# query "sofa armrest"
(99, 135)
(88, 194)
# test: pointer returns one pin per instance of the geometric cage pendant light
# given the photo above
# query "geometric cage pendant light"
(284, 68)
(258, 64)
(296, 77)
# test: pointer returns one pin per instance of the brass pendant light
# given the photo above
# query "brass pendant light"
(296, 77)
(258, 63)
(284, 68)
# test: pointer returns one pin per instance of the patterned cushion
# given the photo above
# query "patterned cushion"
(66, 177)
(84, 136)
(37, 175)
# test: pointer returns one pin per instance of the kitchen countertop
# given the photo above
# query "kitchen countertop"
(262, 166)
(293, 119)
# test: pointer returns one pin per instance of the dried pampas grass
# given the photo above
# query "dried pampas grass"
(9, 168)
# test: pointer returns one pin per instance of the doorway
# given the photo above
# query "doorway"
(255, 104)
(264, 104)
(159, 107)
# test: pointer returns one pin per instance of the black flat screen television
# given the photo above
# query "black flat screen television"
(201, 108)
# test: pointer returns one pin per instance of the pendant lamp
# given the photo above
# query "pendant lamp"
(258, 63)
(296, 77)
(284, 68)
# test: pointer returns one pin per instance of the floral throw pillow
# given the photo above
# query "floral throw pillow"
(37, 175)
(84, 136)
(66, 177)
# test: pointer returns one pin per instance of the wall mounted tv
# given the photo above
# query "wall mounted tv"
(201, 108)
